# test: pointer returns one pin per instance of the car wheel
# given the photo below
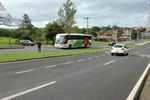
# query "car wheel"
(127, 53)
(124, 53)
(112, 54)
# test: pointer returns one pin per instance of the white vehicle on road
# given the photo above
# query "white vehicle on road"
(72, 40)
(119, 49)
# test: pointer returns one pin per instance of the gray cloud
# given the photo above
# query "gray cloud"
(102, 12)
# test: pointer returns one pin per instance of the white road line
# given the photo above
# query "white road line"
(28, 91)
(102, 55)
(109, 62)
(80, 60)
(68, 63)
(138, 85)
(97, 56)
(137, 52)
(51, 66)
(25, 71)
(90, 58)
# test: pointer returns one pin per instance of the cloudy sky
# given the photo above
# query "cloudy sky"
(123, 13)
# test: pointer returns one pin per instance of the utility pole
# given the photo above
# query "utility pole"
(87, 18)
(116, 36)
(148, 12)
(130, 35)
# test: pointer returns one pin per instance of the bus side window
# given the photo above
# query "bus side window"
(65, 39)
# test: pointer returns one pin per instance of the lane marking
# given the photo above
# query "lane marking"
(68, 63)
(134, 93)
(137, 52)
(90, 58)
(102, 55)
(25, 71)
(28, 91)
(97, 56)
(110, 62)
(51, 66)
(80, 60)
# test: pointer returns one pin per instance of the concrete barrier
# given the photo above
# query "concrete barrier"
(135, 93)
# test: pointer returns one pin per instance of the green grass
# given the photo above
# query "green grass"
(5, 40)
(99, 42)
(9, 43)
(22, 56)
(10, 46)
(147, 38)
(104, 43)
(131, 45)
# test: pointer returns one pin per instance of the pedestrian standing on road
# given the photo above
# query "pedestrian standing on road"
(39, 46)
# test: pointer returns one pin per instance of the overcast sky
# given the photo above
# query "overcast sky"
(123, 13)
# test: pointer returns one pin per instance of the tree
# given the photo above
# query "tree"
(66, 15)
(52, 29)
(26, 22)
(95, 29)
(39, 36)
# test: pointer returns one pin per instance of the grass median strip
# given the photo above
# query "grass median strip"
(31, 55)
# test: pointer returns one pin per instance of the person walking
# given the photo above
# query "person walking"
(39, 44)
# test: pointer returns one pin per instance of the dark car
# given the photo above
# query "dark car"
(26, 43)
(111, 43)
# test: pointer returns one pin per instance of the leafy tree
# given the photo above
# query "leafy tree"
(52, 29)
(39, 34)
(93, 34)
(66, 15)
(95, 29)
(83, 30)
(26, 22)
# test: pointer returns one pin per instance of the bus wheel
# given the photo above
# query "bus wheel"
(70, 46)
(85, 45)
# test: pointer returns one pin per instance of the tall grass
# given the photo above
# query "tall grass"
(4, 40)
(31, 55)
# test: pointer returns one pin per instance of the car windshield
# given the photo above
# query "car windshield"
(59, 39)
(118, 46)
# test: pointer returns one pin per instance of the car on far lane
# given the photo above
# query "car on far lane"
(119, 49)
(111, 43)
(26, 43)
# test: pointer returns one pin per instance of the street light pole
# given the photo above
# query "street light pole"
(87, 18)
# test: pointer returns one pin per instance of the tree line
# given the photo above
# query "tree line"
(64, 24)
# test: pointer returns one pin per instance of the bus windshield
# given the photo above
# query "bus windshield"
(59, 39)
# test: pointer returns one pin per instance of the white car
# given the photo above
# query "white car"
(119, 49)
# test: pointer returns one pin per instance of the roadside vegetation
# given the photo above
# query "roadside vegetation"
(9, 38)
(23, 56)
(147, 38)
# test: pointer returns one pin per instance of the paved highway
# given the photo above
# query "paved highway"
(94, 76)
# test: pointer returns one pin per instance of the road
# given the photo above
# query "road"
(28, 49)
(45, 48)
(94, 76)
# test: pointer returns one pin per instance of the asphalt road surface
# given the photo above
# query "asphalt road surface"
(29, 49)
(94, 76)
(44, 48)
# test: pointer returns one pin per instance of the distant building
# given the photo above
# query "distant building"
(138, 28)
(124, 37)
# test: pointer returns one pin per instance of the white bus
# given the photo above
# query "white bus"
(72, 40)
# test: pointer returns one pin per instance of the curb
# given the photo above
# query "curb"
(143, 43)
(135, 93)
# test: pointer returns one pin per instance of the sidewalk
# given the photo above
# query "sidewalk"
(145, 94)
